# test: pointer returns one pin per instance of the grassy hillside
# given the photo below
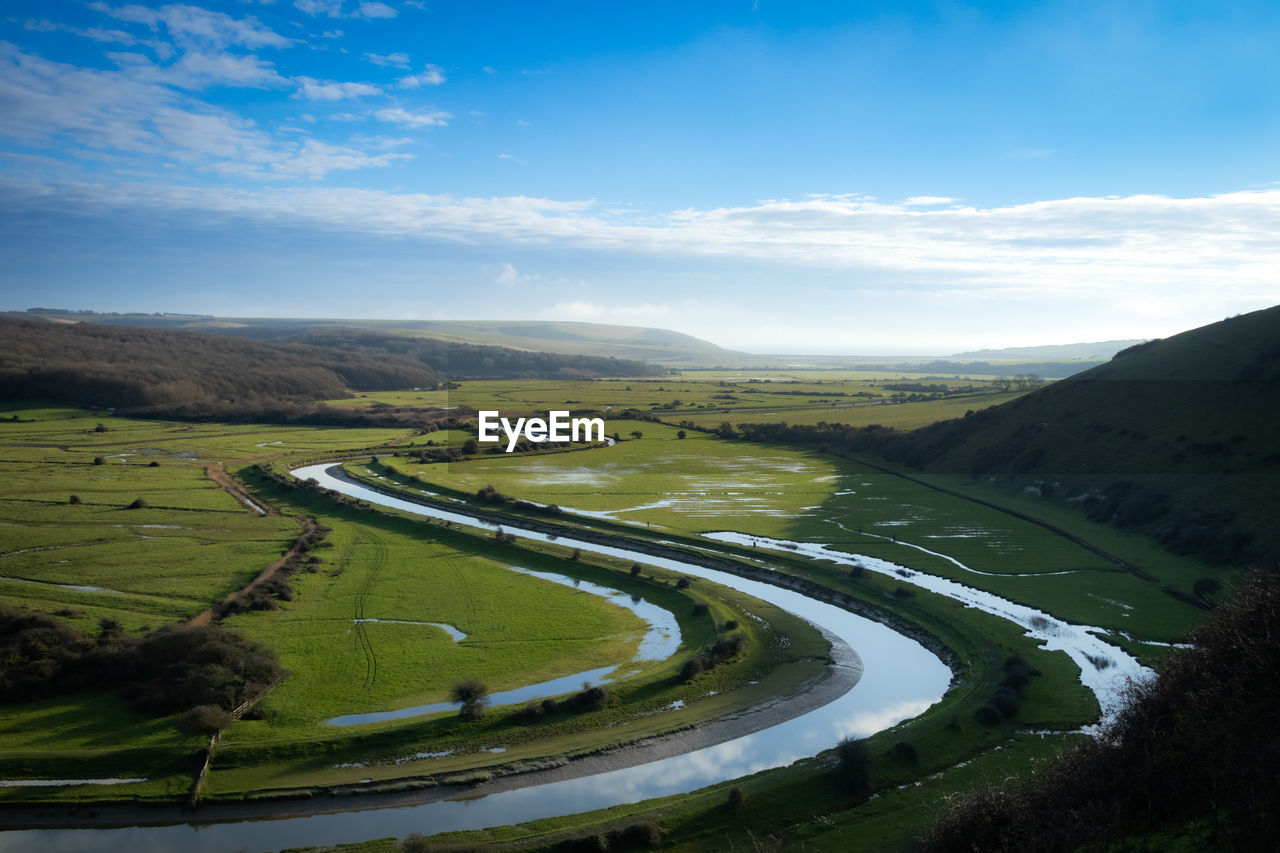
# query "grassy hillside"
(600, 340)
(191, 375)
(1175, 437)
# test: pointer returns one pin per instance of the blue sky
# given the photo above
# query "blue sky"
(773, 176)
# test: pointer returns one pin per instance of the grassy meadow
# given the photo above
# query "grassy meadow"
(190, 544)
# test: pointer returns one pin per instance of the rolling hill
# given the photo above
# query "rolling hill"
(598, 340)
(1176, 437)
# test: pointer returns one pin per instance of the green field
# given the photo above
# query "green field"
(193, 544)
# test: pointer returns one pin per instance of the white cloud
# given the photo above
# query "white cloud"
(190, 25)
(374, 10)
(506, 157)
(509, 276)
(489, 69)
(399, 115)
(316, 159)
(334, 9)
(315, 8)
(331, 90)
(928, 200)
(431, 75)
(135, 116)
(399, 60)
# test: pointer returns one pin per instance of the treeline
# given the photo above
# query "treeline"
(1192, 757)
(457, 360)
(171, 670)
(150, 371)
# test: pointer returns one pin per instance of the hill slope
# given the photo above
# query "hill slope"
(1177, 437)
(659, 346)
(153, 371)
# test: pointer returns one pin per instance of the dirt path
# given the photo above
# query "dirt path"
(231, 487)
(308, 526)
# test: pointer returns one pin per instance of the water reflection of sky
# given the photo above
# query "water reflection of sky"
(900, 678)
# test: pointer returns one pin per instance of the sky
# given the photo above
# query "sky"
(774, 176)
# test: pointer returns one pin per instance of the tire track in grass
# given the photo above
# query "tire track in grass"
(378, 556)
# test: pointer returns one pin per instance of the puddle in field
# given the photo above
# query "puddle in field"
(62, 783)
(453, 632)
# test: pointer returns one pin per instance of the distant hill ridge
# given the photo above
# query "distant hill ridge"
(592, 340)
(1099, 351)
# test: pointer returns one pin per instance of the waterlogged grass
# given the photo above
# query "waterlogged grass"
(702, 483)
(689, 484)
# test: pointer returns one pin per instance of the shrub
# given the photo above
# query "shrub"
(550, 706)
(635, 570)
(153, 464)
(1206, 588)
(737, 800)
(731, 625)
(853, 768)
(643, 834)
(139, 503)
(98, 460)
(471, 694)
(905, 751)
(701, 608)
(590, 699)
(684, 583)
(75, 500)
(691, 669)
(987, 715)
(205, 720)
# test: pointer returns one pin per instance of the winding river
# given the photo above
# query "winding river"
(899, 679)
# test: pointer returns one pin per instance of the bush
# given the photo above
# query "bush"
(75, 500)
(731, 625)
(98, 460)
(737, 800)
(205, 720)
(590, 699)
(643, 834)
(701, 608)
(684, 583)
(853, 768)
(691, 669)
(635, 570)
(153, 464)
(139, 503)
(905, 751)
(987, 715)
(1006, 701)
(471, 693)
